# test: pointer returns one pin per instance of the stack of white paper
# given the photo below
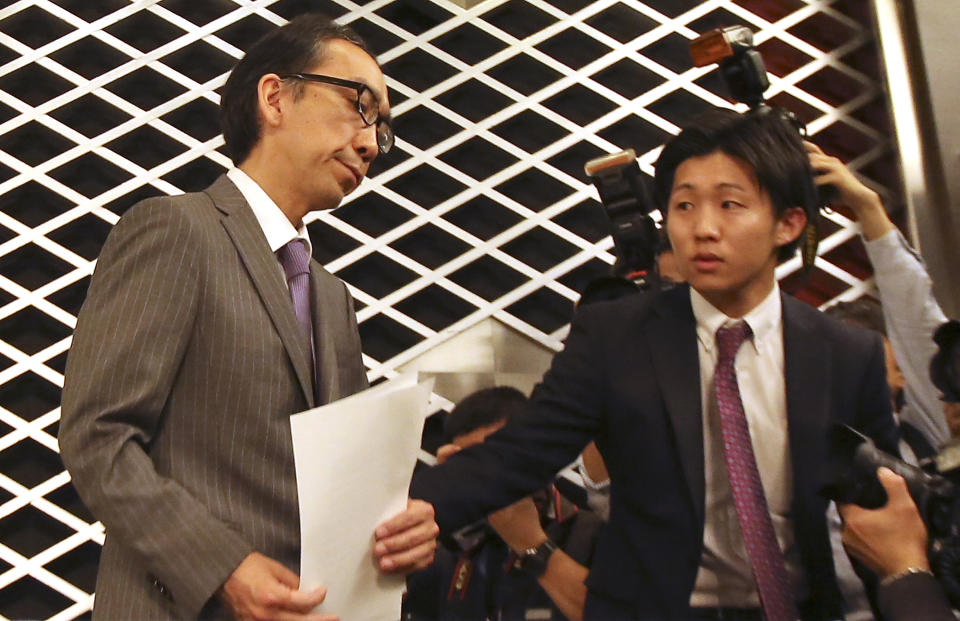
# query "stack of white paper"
(354, 461)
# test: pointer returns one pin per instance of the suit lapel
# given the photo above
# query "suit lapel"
(261, 265)
(672, 336)
(323, 330)
(807, 369)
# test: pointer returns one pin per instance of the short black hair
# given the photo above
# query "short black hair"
(865, 312)
(765, 140)
(293, 48)
(481, 409)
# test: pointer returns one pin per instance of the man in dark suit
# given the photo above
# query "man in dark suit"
(205, 327)
(699, 436)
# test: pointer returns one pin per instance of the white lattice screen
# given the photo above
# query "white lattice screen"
(482, 210)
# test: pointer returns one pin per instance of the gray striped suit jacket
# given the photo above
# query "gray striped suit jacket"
(184, 369)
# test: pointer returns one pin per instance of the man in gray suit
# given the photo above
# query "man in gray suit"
(192, 351)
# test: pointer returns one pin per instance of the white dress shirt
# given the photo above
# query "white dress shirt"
(911, 314)
(275, 224)
(725, 577)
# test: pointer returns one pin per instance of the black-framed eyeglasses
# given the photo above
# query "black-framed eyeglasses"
(367, 105)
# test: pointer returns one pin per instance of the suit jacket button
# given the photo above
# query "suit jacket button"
(162, 588)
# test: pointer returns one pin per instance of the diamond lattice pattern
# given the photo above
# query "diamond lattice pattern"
(481, 211)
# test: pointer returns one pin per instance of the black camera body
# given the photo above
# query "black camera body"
(853, 460)
(852, 465)
(934, 486)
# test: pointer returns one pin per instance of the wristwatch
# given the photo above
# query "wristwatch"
(534, 560)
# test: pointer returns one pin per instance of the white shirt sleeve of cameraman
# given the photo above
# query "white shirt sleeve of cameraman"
(912, 314)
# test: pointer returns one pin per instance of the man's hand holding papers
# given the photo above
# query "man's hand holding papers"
(260, 588)
(406, 541)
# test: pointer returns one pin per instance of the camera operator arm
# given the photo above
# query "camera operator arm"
(910, 311)
(892, 540)
(850, 192)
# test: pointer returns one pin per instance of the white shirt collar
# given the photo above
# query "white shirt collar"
(763, 319)
(276, 227)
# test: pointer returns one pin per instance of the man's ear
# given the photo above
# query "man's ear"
(790, 225)
(269, 89)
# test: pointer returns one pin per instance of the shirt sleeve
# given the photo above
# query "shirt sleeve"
(911, 314)
(916, 597)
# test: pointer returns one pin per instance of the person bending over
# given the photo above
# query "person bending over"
(487, 570)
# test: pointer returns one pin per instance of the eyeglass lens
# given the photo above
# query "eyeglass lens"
(368, 105)
(384, 137)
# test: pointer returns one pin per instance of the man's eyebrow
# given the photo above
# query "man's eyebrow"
(723, 185)
(376, 92)
(728, 185)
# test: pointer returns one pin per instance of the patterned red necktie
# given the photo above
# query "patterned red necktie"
(766, 559)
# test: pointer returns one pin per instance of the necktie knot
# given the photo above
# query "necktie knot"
(730, 338)
(295, 258)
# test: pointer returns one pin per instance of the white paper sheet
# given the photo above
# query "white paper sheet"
(354, 460)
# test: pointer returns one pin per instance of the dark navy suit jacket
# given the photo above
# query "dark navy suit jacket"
(629, 377)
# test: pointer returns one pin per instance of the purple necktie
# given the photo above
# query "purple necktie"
(766, 559)
(295, 259)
